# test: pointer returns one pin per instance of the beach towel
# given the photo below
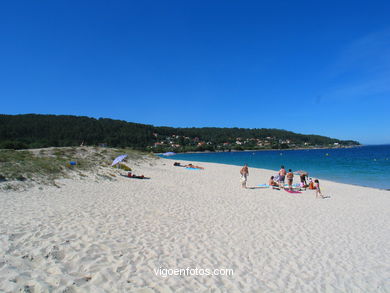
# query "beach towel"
(268, 186)
(294, 185)
(292, 191)
(263, 185)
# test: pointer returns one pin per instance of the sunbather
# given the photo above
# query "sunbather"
(130, 175)
(272, 182)
(311, 184)
(193, 166)
(303, 177)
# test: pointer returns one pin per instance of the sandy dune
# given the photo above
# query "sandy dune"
(112, 236)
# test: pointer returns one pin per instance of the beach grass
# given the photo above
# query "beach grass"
(44, 166)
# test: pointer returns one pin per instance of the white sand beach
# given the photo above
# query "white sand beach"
(112, 236)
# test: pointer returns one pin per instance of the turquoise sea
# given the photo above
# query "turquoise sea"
(366, 165)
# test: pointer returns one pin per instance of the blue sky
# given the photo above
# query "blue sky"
(319, 67)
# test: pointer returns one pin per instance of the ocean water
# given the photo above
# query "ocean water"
(365, 166)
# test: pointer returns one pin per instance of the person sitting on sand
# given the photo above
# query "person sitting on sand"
(311, 184)
(290, 177)
(303, 177)
(282, 174)
(244, 175)
(317, 188)
(272, 182)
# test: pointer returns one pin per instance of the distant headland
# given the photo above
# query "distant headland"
(39, 131)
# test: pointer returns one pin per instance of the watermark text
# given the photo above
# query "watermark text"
(167, 272)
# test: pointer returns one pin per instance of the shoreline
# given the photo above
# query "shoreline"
(275, 171)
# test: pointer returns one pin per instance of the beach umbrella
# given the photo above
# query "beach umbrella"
(118, 159)
(169, 154)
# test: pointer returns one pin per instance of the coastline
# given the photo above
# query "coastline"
(261, 150)
(273, 172)
(332, 165)
(111, 236)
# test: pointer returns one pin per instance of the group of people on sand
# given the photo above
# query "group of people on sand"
(278, 182)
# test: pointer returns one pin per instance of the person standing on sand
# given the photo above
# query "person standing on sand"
(282, 174)
(317, 188)
(290, 177)
(244, 175)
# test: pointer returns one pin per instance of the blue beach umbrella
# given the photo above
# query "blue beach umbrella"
(118, 159)
(169, 154)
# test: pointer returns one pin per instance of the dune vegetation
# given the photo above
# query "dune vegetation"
(20, 169)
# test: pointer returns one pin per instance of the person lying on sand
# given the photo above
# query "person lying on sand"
(130, 175)
(193, 166)
(178, 164)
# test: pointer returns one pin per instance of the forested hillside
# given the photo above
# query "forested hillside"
(37, 131)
